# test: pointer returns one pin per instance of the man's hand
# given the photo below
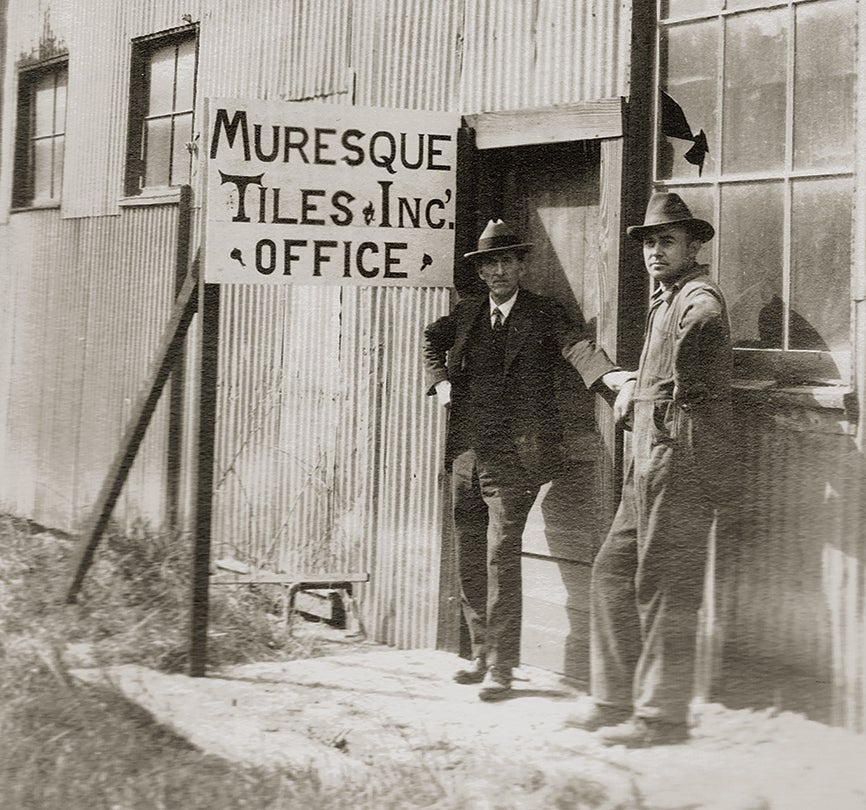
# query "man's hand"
(443, 392)
(615, 380)
(623, 404)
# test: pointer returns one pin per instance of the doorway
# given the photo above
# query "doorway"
(550, 194)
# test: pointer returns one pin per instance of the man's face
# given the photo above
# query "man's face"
(501, 273)
(669, 253)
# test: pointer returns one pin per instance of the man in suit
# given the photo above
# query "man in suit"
(493, 360)
(648, 576)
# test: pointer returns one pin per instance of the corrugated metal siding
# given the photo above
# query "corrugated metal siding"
(542, 53)
(86, 304)
(407, 53)
(799, 580)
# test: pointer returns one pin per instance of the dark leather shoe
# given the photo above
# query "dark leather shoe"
(474, 673)
(594, 717)
(496, 684)
(642, 733)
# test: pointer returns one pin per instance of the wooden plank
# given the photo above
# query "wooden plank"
(177, 382)
(584, 121)
(555, 627)
(307, 580)
(209, 307)
(166, 355)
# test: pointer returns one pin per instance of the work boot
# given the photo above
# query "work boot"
(496, 684)
(592, 717)
(474, 673)
(640, 732)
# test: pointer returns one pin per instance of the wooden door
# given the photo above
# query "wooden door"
(550, 194)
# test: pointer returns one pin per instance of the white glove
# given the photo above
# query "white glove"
(443, 392)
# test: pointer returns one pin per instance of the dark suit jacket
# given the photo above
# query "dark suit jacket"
(539, 335)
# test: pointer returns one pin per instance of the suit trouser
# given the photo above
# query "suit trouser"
(647, 587)
(492, 495)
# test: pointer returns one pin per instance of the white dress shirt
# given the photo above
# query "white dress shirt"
(504, 308)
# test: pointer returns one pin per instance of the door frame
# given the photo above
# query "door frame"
(604, 121)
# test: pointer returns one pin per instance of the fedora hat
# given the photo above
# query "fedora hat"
(666, 209)
(496, 238)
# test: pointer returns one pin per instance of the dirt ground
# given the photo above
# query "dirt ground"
(365, 709)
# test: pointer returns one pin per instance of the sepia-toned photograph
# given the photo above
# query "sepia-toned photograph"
(446, 404)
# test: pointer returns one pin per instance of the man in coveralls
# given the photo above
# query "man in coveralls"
(493, 361)
(647, 579)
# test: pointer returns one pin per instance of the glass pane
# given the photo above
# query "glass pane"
(737, 4)
(180, 156)
(157, 140)
(751, 244)
(681, 8)
(689, 75)
(185, 84)
(821, 264)
(59, 148)
(60, 102)
(754, 105)
(824, 85)
(161, 81)
(43, 105)
(42, 170)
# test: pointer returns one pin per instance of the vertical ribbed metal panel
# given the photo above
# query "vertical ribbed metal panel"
(289, 50)
(408, 502)
(799, 579)
(89, 301)
(407, 53)
(534, 54)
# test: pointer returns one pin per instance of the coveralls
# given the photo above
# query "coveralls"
(647, 579)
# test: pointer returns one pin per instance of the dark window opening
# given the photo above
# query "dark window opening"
(41, 134)
(162, 98)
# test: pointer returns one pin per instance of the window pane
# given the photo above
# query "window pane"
(156, 152)
(821, 264)
(161, 81)
(42, 170)
(824, 85)
(185, 76)
(751, 244)
(689, 75)
(737, 4)
(681, 8)
(181, 157)
(60, 102)
(754, 106)
(43, 105)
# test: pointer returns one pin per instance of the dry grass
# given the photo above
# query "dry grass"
(69, 746)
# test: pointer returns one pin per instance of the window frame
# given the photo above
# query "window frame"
(782, 365)
(141, 50)
(23, 165)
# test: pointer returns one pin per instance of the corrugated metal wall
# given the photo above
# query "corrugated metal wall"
(799, 568)
(85, 301)
(328, 450)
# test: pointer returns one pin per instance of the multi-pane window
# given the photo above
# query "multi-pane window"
(771, 84)
(41, 133)
(162, 96)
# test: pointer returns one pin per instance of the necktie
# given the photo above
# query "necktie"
(497, 319)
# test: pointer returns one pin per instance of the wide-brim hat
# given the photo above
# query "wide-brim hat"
(666, 209)
(497, 237)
